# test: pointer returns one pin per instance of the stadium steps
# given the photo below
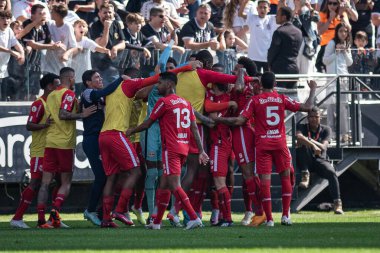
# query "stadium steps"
(350, 155)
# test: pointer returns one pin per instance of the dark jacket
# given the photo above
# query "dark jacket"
(283, 51)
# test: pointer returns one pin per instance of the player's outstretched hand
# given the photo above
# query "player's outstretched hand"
(196, 64)
(203, 158)
(129, 132)
(88, 111)
(312, 84)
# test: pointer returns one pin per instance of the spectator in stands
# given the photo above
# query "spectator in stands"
(83, 8)
(199, 33)
(364, 9)
(169, 10)
(261, 28)
(38, 38)
(230, 46)
(108, 33)
(217, 11)
(22, 10)
(235, 16)
(60, 32)
(363, 58)
(7, 42)
(135, 41)
(347, 6)
(312, 142)
(71, 16)
(81, 58)
(304, 16)
(337, 59)
(94, 16)
(330, 17)
(159, 30)
(5, 5)
(283, 51)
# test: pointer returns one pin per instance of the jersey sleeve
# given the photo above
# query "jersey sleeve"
(130, 87)
(158, 110)
(248, 110)
(68, 100)
(36, 113)
(291, 104)
(212, 106)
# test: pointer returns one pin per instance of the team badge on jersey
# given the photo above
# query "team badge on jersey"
(34, 108)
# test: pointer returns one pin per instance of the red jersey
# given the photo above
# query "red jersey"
(220, 133)
(268, 110)
(242, 99)
(176, 115)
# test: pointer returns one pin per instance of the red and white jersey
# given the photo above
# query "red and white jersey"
(221, 133)
(242, 98)
(268, 109)
(176, 115)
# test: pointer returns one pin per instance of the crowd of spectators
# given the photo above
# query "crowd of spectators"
(286, 36)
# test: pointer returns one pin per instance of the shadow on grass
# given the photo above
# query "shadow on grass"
(83, 236)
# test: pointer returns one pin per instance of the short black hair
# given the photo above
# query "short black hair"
(249, 65)
(87, 76)
(47, 79)
(287, 12)
(268, 80)
(169, 76)
(35, 7)
(65, 70)
(171, 60)
(132, 72)
(218, 65)
(205, 57)
(156, 11)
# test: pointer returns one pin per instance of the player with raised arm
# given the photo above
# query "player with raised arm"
(38, 122)
(268, 109)
(117, 153)
(60, 145)
(177, 120)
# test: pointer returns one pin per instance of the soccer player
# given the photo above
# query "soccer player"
(38, 122)
(60, 145)
(117, 153)
(192, 86)
(268, 109)
(220, 151)
(176, 121)
(93, 95)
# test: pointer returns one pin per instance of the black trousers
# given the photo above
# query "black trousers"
(322, 167)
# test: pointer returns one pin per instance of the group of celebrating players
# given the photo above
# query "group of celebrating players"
(241, 115)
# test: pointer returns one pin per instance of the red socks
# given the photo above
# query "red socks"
(180, 194)
(214, 199)
(107, 207)
(59, 201)
(266, 198)
(225, 203)
(253, 193)
(26, 198)
(286, 195)
(41, 213)
(163, 198)
(124, 198)
(139, 197)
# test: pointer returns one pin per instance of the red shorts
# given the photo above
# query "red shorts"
(219, 156)
(138, 149)
(281, 158)
(58, 160)
(36, 167)
(117, 152)
(172, 163)
(193, 148)
(243, 143)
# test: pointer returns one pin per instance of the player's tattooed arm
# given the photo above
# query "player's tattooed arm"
(66, 115)
(143, 126)
(204, 120)
(305, 107)
(231, 121)
(203, 157)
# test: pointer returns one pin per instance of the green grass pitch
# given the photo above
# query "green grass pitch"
(356, 231)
